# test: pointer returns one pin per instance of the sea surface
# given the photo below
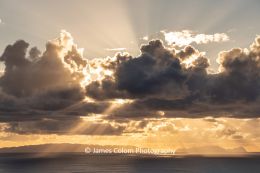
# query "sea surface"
(84, 163)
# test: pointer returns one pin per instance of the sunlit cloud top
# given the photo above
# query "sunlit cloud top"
(186, 37)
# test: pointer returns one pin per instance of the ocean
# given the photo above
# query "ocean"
(85, 163)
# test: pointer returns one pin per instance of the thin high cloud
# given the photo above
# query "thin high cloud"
(116, 49)
(42, 89)
(187, 37)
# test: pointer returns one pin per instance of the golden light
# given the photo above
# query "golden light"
(121, 101)
(96, 71)
(161, 113)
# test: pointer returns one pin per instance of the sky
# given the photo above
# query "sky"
(103, 24)
(187, 72)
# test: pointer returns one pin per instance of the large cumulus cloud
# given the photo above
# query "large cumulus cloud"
(177, 82)
(36, 87)
(149, 74)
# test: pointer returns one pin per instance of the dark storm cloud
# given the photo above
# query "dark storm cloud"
(159, 80)
(149, 74)
(157, 73)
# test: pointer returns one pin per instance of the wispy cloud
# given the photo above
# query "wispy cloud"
(186, 37)
(116, 49)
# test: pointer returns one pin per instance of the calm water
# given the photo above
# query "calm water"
(82, 163)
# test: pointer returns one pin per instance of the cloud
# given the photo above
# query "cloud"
(36, 74)
(147, 74)
(60, 85)
(39, 84)
(43, 93)
(116, 49)
(68, 127)
(187, 37)
(177, 83)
